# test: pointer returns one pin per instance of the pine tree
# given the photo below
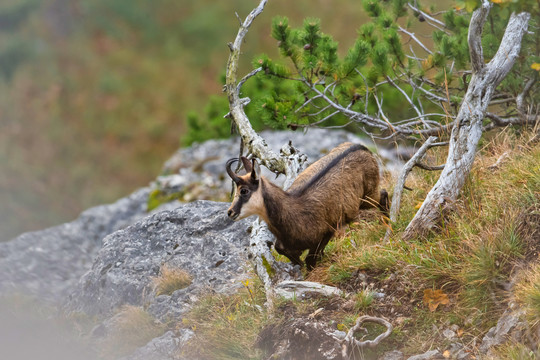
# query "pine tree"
(312, 85)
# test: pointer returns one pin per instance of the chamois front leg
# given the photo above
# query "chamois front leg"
(312, 257)
(292, 255)
(316, 253)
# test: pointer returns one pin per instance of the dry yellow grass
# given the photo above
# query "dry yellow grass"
(470, 260)
(170, 280)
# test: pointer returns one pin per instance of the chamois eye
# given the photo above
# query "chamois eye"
(244, 191)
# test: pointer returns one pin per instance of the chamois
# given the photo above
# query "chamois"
(329, 193)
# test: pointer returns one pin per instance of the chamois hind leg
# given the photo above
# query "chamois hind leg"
(376, 200)
(384, 202)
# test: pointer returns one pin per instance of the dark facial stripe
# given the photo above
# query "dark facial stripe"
(324, 171)
(243, 199)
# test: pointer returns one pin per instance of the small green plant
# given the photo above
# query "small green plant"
(159, 197)
(363, 300)
(170, 280)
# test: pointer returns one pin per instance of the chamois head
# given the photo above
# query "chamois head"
(247, 195)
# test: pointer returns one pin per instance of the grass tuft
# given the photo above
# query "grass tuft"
(133, 327)
(363, 300)
(528, 293)
(170, 280)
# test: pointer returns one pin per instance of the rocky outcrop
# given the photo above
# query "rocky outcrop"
(510, 325)
(48, 264)
(110, 255)
(197, 237)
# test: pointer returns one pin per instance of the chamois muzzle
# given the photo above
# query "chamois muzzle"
(232, 215)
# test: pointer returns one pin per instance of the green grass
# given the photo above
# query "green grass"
(226, 327)
(471, 261)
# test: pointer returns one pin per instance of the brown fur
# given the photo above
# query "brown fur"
(321, 199)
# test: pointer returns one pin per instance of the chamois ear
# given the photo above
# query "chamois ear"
(256, 170)
(247, 164)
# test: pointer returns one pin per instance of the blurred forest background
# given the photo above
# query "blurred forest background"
(96, 94)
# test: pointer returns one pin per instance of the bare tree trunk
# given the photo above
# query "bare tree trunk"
(290, 162)
(468, 126)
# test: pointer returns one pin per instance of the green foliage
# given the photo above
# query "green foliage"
(315, 62)
(212, 126)
(356, 57)
(373, 8)
(158, 197)
(399, 8)
(311, 64)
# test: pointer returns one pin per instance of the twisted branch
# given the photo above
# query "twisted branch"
(350, 341)
(400, 184)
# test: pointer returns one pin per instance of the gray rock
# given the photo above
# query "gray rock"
(500, 333)
(458, 351)
(211, 155)
(48, 264)
(197, 237)
(98, 262)
(449, 334)
(392, 355)
(298, 289)
(428, 355)
(165, 347)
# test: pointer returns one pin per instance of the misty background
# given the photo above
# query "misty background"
(94, 94)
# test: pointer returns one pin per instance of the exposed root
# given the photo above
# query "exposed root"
(350, 342)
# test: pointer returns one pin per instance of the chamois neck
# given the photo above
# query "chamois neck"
(279, 204)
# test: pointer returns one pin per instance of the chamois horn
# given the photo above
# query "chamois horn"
(231, 173)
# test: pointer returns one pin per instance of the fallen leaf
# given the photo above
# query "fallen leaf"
(434, 298)
(535, 66)
(419, 205)
(460, 332)
(446, 354)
